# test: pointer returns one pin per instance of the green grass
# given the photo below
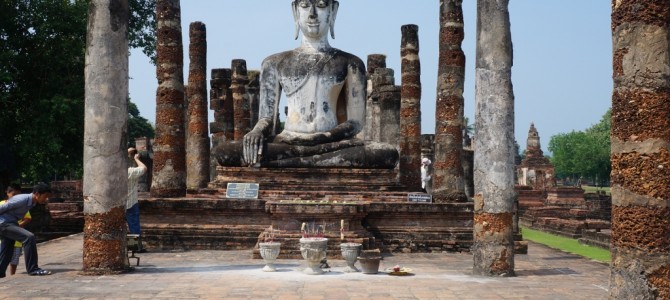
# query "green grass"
(566, 244)
(593, 189)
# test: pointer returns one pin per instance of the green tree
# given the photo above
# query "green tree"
(138, 126)
(583, 153)
(42, 45)
(142, 27)
(600, 136)
(468, 127)
(564, 148)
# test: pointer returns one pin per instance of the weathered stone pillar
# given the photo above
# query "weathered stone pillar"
(220, 101)
(169, 178)
(241, 113)
(253, 94)
(640, 267)
(375, 61)
(105, 184)
(493, 248)
(410, 109)
(387, 98)
(448, 184)
(197, 135)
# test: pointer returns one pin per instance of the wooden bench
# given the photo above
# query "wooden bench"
(134, 243)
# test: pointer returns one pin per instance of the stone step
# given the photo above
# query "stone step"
(216, 223)
(297, 194)
(309, 178)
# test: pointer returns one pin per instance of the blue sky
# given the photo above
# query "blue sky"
(562, 73)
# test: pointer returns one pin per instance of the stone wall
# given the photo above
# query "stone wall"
(63, 215)
(566, 211)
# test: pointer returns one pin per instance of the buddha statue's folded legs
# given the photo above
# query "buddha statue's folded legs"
(351, 153)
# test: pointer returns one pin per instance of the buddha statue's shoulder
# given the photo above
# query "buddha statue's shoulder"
(277, 58)
(340, 56)
(330, 54)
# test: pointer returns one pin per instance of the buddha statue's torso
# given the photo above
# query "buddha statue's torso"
(312, 84)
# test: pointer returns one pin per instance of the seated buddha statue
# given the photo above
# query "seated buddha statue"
(325, 90)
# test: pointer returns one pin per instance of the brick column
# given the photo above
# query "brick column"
(387, 99)
(241, 113)
(169, 178)
(640, 267)
(375, 61)
(253, 94)
(448, 184)
(410, 109)
(197, 135)
(220, 101)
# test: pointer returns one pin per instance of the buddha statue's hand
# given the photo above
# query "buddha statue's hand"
(252, 147)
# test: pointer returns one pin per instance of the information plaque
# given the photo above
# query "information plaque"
(419, 198)
(242, 190)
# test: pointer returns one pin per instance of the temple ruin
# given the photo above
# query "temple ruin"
(559, 209)
(374, 205)
(535, 169)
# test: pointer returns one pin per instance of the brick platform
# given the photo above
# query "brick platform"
(373, 207)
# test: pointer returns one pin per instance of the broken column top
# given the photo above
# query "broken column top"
(221, 73)
(239, 68)
(376, 61)
(383, 76)
(410, 36)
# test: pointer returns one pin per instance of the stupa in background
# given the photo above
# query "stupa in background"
(535, 169)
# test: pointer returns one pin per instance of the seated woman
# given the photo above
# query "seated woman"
(325, 90)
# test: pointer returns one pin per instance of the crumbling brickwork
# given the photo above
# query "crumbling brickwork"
(640, 150)
(241, 109)
(410, 109)
(169, 177)
(448, 183)
(372, 128)
(386, 97)
(104, 241)
(197, 137)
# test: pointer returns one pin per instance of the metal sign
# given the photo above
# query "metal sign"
(242, 190)
(419, 198)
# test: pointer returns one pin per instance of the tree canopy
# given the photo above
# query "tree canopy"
(584, 153)
(138, 126)
(42, 47)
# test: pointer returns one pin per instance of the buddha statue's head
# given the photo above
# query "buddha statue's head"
(315, 17)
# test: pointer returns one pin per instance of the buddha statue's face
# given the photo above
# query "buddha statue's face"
(314, 17)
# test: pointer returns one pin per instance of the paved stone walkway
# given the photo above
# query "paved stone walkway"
(542, 274)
